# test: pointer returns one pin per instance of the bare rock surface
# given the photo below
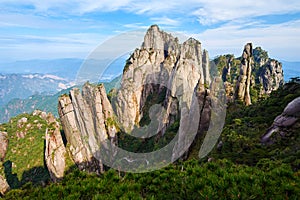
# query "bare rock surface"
(87, 119)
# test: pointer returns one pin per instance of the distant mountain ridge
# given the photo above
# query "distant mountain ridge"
(24, 85)
(44, 102)
(66, 68)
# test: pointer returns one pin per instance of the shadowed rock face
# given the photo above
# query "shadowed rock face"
(55, 151)
(3, 145)
(288, 118)
(87, 119)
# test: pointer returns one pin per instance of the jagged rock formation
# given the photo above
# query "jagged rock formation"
(271, 76)
(244, 80)
(55, 151)
(3, 144)
(287, 119)
(4, 187)
(251, 76)
(164, 66)
(179, 74)
(87, 119)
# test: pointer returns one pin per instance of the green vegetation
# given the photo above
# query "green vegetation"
(185, 180)
(241, 168)
(24, 161)
(245, 125)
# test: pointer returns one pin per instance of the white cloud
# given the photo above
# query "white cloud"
(280, 40)
(214, 11)
(165, 21)
(58, 16)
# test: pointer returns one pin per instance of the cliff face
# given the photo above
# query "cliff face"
(85, 119)
(164, 66)
(179, 74)
(55, 151)
(244, 80)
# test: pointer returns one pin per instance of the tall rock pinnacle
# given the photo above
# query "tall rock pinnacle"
(244, 81)
(86, 119)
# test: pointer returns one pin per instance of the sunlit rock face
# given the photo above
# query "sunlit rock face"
(87, 120)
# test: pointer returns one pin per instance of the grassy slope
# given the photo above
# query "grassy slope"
(25, 156)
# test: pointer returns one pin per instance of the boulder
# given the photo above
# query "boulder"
(284, 121)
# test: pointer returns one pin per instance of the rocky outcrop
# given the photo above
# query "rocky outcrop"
(244, 80)
(253, 71)
(3, 144)
(87, 119)
(287, 119)
(164, 66)
(4, 187)
(271, 76)
(55, 151)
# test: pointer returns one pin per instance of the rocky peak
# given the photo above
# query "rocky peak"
(159, 40)
(260, 56)
(160, 63)
(87, 119)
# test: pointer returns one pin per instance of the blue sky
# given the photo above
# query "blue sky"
(48, 29)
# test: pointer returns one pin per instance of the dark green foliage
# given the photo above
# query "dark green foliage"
(156, 97)
(140, 145)
(188, 180)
